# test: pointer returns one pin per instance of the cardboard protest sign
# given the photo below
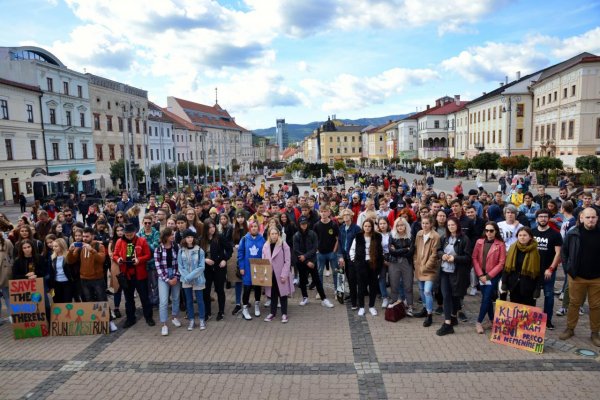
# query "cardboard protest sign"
(77, 319)
(519, 326)
(262, 272)
(28, 308)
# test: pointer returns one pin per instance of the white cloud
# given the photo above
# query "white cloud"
(303, 66)
(586, 42)
(350, 92)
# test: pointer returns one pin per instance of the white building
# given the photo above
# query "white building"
(407, 138)
(22, 148)
(159, 141)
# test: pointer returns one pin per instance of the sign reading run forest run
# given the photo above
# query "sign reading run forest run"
(520, 326)
(28, 308)
(78, 319)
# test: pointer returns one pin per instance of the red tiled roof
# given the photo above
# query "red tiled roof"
(20, 85)
(177, 120)
(216, 115)
(449, 108)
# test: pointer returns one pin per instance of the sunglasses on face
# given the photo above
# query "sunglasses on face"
(490, 230)
(147, 223)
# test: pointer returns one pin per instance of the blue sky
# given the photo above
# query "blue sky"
(303, 60)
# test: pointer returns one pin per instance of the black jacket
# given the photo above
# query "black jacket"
(305, 244)
(459, 280)
(67, 268)
(218, 252)
(227, 236)
(400, 248)
(570, 250)
(20, 268)
(360, 256)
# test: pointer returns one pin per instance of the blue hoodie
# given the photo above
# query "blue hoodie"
(249, 248)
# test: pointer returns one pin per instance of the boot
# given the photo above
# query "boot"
(445, 330)
(421, 314)
(428, 321)
(568, 333)
(596, 339)
(246, 314)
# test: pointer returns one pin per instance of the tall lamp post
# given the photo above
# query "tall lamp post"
(509, 100)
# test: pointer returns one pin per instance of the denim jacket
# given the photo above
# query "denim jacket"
(346, 238)
(191, 266)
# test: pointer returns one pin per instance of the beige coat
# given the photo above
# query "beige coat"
(425, 256)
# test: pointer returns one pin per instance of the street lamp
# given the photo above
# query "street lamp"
(509, 100)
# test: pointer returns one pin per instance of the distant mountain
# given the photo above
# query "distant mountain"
(297, 132)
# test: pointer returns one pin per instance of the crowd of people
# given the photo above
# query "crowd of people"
(383, 233)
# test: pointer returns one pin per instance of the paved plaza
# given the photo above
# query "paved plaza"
(320, 354)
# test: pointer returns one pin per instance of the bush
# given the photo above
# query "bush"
(587, 179)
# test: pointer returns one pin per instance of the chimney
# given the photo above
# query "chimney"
(428, 106)
(437, 103)
(518, 75)
(457, 99)
(506, 79)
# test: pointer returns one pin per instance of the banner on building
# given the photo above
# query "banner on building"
(519, 326)
(28, 308)
(78, 319)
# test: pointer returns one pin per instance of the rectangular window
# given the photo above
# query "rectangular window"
(82, 120)
(537, 133)
(499, 112)
(330, 150)
(122, 151)
(84, 150)
(573, 90)
(120, 120)
(571, 129)
(478, 116)
(488, 114)
(131, 153)
(4, 109)
(436, 124)
(29, 113)
(548, 132)
(549, 98)
(520, 109)
(50, 84)
(330, 139)
(519, 138)
(598, 128)
(69, 120)
(9, 149)
(139, 151)
(564, 93)
(99, 155)
(483, 119)
(488, 137)
(111, 152)
(109, 123)
(555, 95)
(494, 112)
(33, 145)
(129, 126)
(71, 151)
(55, 152)
(52, 116)
(108, 105)
(553, 131)
(97, 122)
(66, 88)
(169, 154)
(543, 100)
(494, 134)
(538, 102)
(543, 131)
(563, 130)
(79, 91)
(500, 135)
(151, 154)
(137, 126)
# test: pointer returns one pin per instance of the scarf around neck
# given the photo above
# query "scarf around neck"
(531, 263)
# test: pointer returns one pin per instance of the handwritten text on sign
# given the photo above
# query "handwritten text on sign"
(28, 308)
(520, 326)
(77, 319)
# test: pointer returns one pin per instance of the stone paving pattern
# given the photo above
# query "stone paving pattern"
(320, 354)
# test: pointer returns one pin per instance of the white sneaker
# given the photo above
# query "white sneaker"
(561, 296)
(318, 296)
(202, 325)
(581, 312)
(304, 301)
(385, 302)
(164, 330)
(267, 303)
(295, 282)
(112, 326)
(246, 313)
(257, 309)
(176, 322)
(373, 311)
(327, 272)
(561, 312)
(112, 314)
(327, 303)
(361, 312)
(473, 291)
(191, 325)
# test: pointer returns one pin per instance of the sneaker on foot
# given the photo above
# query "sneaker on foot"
(295, 282)
(112, 326)
(354, 308)
(445, 330)
(129, 323)
(304, 301)
(236, 309)
(561, 296)
(164, 330)
(246, 313)
(318, 296)
(439, 310)
(269, 318)
(550, 326)
(561, 312)
(385, 302)
(191, 325)
(117, 313)
(176, 322)
(268, 303)
(373, 311)
(257, 309)
(220, 316)
(581, 312)
(421, 314)
(361, 312)
(567, 334)
(410, 312)
(472, 292)
(284, 319)
(462, 316)
(327, 272)
(202, 325)
(327, 303)
(150, 322)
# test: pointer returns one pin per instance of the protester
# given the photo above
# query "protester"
(278, 253)
(425, 260)
(191, 267)
(522, 277)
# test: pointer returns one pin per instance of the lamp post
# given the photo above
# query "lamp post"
(508, 110)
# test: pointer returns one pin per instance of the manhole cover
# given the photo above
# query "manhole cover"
(586, 352)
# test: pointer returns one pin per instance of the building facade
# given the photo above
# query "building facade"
(281, 134)
(341, 143)
(159, 142)
(22, 148)
(407, 138)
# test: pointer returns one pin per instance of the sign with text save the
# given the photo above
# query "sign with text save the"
(28, 308)
(520, 326)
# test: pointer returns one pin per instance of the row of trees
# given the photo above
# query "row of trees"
(117, 171)
(310, 169)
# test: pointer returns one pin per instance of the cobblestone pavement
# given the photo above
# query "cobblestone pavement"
(320, 354)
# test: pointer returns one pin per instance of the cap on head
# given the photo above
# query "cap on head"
(188, 232)
(129, 228)
(302, 220)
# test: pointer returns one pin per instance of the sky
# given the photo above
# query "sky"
(304, 60)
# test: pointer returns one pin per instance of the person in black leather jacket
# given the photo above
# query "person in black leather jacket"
(216, 251)
(401, 269)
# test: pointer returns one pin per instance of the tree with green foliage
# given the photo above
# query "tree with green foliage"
(73, 180)
(339, 165)
(486, 161)
(546, 163)
(117, 171)
(314, 169)
(590, 164)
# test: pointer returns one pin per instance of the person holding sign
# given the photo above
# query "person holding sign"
(489, 256)
(522, 276)
(278, 253)
(250, 246)
(28, 264)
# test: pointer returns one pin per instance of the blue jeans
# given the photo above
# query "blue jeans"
(487, 296)
(383, 282)
(189, 303)
(163, 295)
(425, 289)
(549, 295)
(322, 258)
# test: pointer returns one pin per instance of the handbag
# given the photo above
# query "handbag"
(396, 313)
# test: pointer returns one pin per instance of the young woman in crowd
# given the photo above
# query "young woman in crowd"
(250, 247)
(165, 259)
(400, 268)
(240, 229)
(216, 253)
(521, 276)
(6, 269)
(61, 275)
(133, 217)
(366, 253)
(455, 255)
(489, 256)
(383, 227)
(118, 232)
(426, 265)
(278, 253)
(191, 268)
(439, 224)
(28, 264)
